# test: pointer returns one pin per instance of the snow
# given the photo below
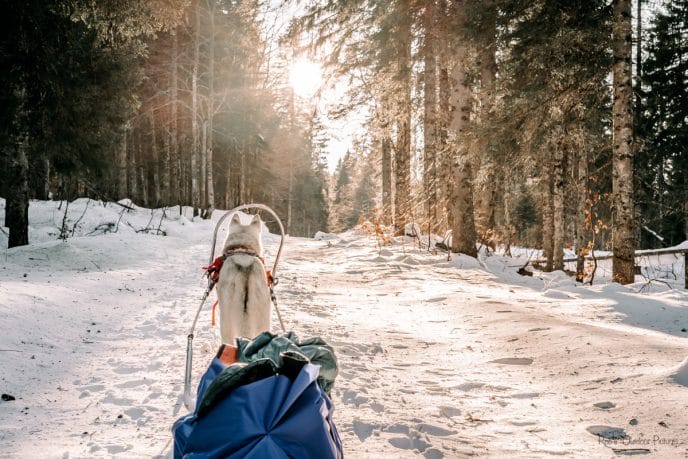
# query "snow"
(438, 358)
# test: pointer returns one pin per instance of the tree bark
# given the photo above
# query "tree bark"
(122, 180)
(142, 186)
(210, 187)
(402, 153)
(463, 228)
(203, 167)
(242, 173)
(485, 188)
(132, 189)
(582, 219)
(155, 162)
(430, 117)
(623, 240)
(175, 183)
(443, 120)
(547, 218)
(165, 171)
(17, 204)
(386, 146)
(195, 192)
(558, 207)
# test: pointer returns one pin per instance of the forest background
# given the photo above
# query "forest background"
(549, 124)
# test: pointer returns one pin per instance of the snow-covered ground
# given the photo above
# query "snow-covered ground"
(437, 358)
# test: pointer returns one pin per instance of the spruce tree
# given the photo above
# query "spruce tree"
(663, 179)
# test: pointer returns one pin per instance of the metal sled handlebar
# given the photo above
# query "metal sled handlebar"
(189, 402)
(243, 207)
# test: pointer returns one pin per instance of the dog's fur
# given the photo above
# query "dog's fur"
(242, 290)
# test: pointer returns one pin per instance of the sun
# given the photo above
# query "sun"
(305, 77)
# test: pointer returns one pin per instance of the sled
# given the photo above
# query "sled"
(188, 400)
(263, 398)
(271, 403)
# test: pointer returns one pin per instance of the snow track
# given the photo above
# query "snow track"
(437, 359)
(446, 360)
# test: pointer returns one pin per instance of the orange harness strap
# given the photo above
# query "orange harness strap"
(212, 320)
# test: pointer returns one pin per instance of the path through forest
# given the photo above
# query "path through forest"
(437, 359)
(446, 359)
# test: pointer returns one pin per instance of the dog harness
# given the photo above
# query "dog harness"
(213, 271)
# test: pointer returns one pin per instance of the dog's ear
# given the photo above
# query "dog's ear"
(256, 220)
(236, 220)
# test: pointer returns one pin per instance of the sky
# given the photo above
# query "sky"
(341, 132)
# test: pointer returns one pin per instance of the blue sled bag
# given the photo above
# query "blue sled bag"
(259, 409)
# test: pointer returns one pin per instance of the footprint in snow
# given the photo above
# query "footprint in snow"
(469, 386)
(607, 432)
(513, 361)
(351, 397)
(436, 300)
(524, 395)
(409, 443)
(449, 411)
(133, 383)
(363, 430)
(433, 453)
(436, 431)
(605, 405)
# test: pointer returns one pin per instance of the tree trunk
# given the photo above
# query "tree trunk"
(582, 219)
(242, 173)
(165, 171)
(132, 189)
(638, 59)
(386, 146)
(558, 207)
(463, 228)
(204, 168)
(486, 184)
(229, 195)
(122, 180)
(623, 240)
(39, 184)
(430, 117)
(155, 162)
(508, 227)
(17, 204)
(210, 187)
(402, 153)
(195, 193)
(547, 218)
(176, 182)
(443, 120)
(142, 186)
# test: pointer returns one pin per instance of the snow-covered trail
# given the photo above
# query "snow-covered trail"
(445, 362)
(99, 328)
(437, 359)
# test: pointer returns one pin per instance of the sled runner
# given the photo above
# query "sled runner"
(265, 398)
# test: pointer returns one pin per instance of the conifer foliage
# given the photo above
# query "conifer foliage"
(488, 121)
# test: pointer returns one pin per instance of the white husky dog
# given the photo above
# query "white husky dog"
(242, 290)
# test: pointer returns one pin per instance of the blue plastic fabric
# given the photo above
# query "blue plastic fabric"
(274, 417)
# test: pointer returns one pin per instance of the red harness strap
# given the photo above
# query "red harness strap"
(213, 271)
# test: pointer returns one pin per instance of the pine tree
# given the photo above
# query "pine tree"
(68, 94)
(663, 184)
